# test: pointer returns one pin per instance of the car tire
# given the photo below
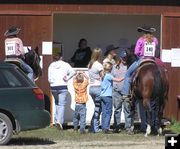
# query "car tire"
(6, 129)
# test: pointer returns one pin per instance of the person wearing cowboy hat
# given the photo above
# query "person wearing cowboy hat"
(15, 44)
(146, 41)
(110, 54)
(11, 35)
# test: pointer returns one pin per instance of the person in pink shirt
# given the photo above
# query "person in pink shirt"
(14, 49)
(11, 35)
(146, 38)
(146, 47)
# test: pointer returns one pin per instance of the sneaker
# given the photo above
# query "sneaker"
(106, 131)
(116, 130)
(82, 132)
(59, 126)
(75, 129)
(93, 131)
(130, 132)
(97, 131)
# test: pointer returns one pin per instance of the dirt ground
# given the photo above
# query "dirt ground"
(152, 143)
(51, 138)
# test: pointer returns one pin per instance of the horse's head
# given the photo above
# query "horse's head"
(32, 58)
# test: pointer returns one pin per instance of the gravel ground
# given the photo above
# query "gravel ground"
(51, 138)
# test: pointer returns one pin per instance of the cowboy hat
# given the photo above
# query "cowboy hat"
(110, 48)
(146, 29)
(12, 31)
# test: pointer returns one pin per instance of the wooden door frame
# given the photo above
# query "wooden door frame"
(25, 12)
(171, 95)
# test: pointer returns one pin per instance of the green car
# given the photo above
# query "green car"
(21, 103)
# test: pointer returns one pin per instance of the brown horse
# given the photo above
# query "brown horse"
(150, 84)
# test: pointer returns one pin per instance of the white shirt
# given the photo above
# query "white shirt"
(94, 74)
(57, 71)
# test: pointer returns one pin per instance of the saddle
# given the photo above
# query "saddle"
(16, 61)
(143, 62)
(146, 61)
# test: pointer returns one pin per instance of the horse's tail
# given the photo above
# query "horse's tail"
(165, 81)
(161, 86)
(158, 83)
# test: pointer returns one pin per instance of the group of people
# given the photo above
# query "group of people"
(109, 81)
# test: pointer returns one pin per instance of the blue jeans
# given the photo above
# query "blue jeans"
(128, 77)
(95, 91)
(27, 69)
(106, 102)
(118, 102)
(80, 116)
(60, 101)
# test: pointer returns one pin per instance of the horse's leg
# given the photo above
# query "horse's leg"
(159, 125)
(142, 116)
(148, 129)
(147, 106)
(154, 121)
(159, 118)
(133, 110)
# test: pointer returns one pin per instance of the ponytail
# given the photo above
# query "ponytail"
(148, 37)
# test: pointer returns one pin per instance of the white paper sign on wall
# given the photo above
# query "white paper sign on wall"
(175, 57)
(47, 47)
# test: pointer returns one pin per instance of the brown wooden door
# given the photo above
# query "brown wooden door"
(171, 39)
(35, 28)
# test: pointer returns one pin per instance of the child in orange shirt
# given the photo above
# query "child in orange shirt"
(80, 83)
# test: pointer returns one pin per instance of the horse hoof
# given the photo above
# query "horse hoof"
(148, 129)
(132, 128)
(146, 135)
(160, 131)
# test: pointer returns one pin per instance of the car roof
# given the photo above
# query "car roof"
(5, 65)
(13, 66)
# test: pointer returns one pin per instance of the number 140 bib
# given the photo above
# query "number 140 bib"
(149, 49)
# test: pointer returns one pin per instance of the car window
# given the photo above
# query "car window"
(10, 78)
